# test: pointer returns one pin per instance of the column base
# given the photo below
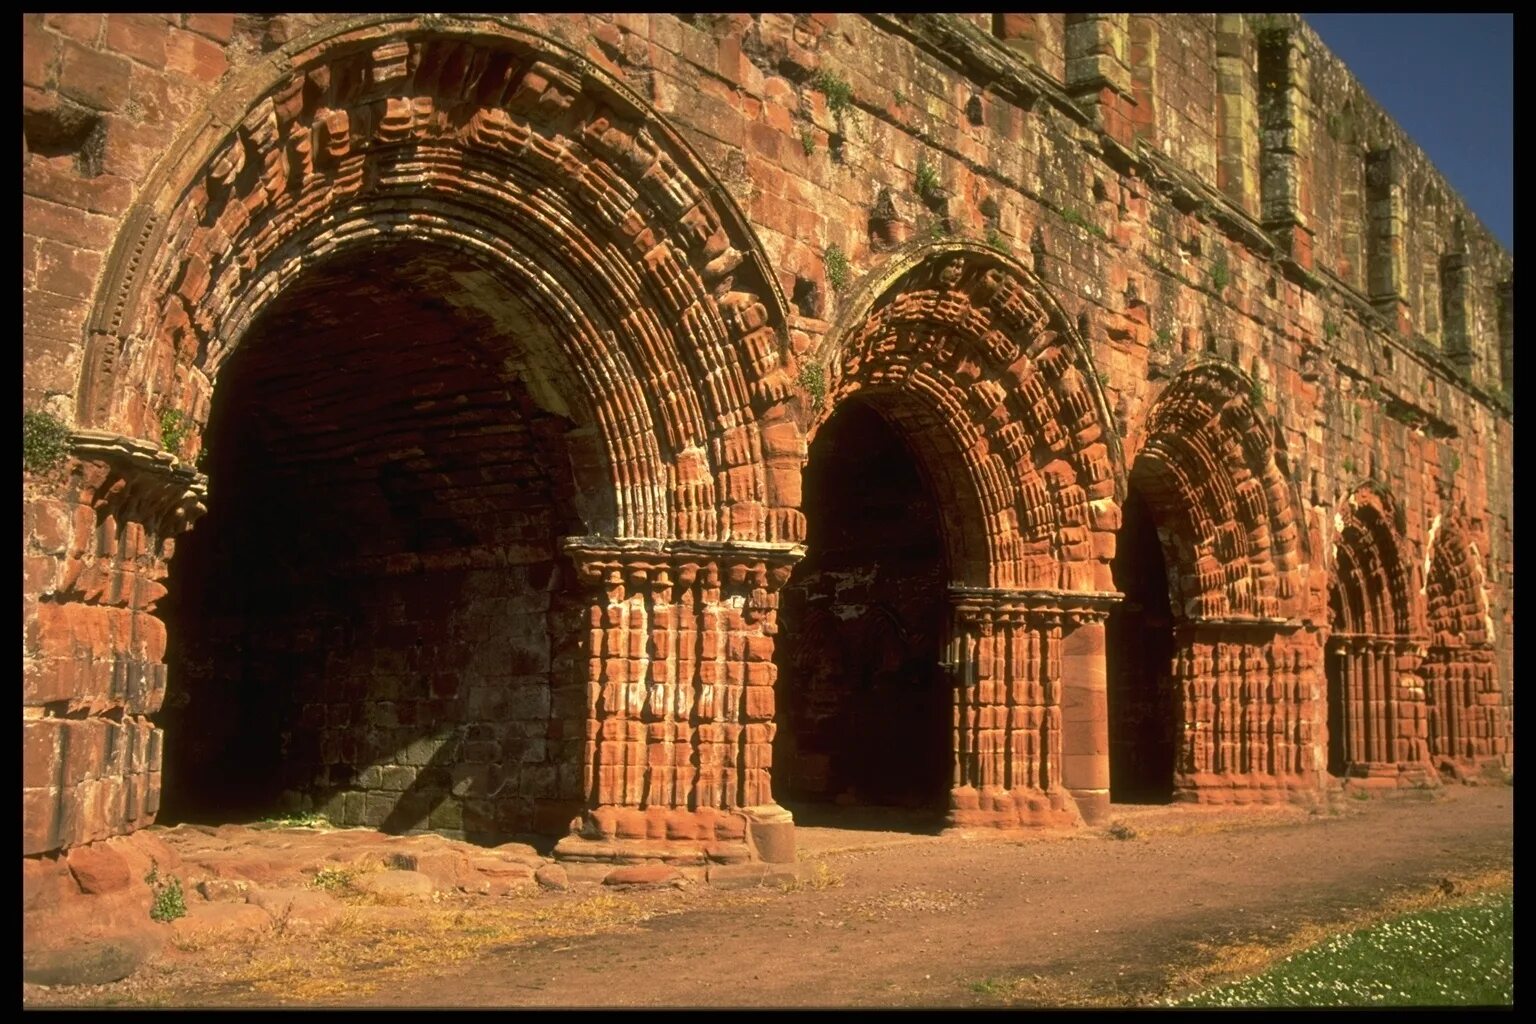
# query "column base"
(680, 837)
(1093, 804)
(1242, 790)
(1011, 808)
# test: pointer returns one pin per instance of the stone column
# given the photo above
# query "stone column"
(1085, 714)
(1251, 698)
(98, 536)
(680, 702)
(1031, 721)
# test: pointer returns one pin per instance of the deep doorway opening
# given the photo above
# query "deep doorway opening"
(1139, 637)
(374, 621)
(865, 735)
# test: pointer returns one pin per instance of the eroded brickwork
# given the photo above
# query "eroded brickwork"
(544, 313)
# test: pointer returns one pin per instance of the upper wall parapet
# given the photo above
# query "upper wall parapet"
(1258, 108)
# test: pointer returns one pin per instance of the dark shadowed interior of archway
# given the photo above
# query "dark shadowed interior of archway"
(866, 714)
(1143, 701)
(373, 620)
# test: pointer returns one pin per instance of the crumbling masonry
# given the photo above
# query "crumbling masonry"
(612, 426)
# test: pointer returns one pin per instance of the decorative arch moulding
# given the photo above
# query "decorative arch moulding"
(670, 318)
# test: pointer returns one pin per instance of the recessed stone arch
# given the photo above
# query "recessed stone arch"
(1468, 717)
(496, 142)
(961, 351)
(1208, 467)
(552, 194)
(1377, 726)
(1244, 671)
(969, 354)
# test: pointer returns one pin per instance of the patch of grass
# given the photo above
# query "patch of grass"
(1220, 275)
(300, 819)
(837, 267)
(1348, 464)
(174, 427)
(1163, 340)
(1120, 830)
(807, 141)
(998, 241)
(43, 438)
(821, 877)
(1330, 328)
(1072, 216)
(1458, 955)
(335, 881)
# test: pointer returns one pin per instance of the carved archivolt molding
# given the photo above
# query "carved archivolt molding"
(1209, 472)
(1370, 588)
(514, 154)
(984, 377)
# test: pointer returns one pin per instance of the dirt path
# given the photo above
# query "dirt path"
(943, 920)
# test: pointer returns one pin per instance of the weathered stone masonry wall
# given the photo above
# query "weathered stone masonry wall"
(1186, 188)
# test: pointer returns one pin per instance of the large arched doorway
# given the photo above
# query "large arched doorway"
(1211, 521)
(1143, 694)
(956, 382)
(1376, 709)
(375, 621)
(1468, 720)
(866, 708)
(595, 375)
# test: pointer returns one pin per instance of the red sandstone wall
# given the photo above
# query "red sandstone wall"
(1144, 256)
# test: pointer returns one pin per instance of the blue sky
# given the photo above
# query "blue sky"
(1449, 81)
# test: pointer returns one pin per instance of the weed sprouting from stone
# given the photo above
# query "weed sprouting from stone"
(170, 902)
(837, 267)
(43, 439)
(174, 427)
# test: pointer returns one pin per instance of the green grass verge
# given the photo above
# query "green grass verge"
(1447, 956)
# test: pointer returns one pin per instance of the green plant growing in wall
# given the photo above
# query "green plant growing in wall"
(1452, 462)
(174, 427)
(43, 441)
(1219, 273)
(807, 141)
(813, 379)
(838, 92)
(1103, 378)
(1257, 391)
(998, 241)
(837, 267)
(1330, 328)
(1163, 340)
(1349, 465)
(1072, 216)
(926, 184)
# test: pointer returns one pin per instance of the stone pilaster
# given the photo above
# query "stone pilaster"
(92, 652)
(1383, 710)
(1031, 717)
(1252, 702)
(680, 702)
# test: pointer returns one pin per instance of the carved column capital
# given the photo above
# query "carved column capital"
(132, 479)
(607, 561)
(984, 605)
